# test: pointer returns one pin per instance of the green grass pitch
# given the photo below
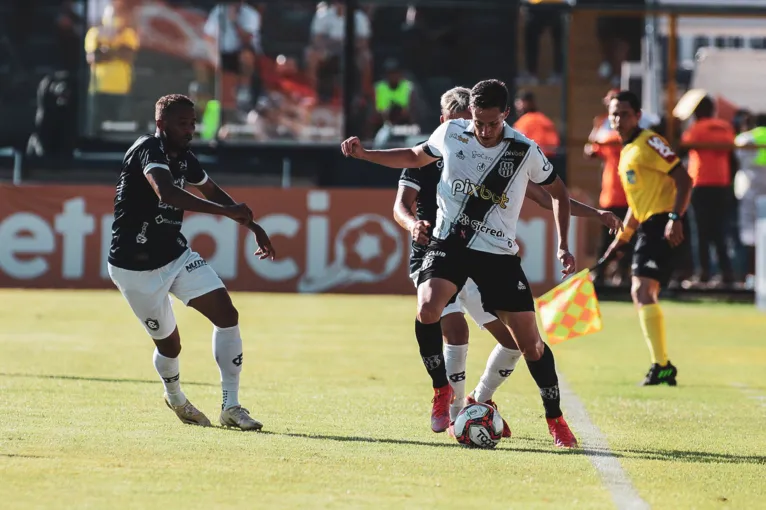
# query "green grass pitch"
(339, 385)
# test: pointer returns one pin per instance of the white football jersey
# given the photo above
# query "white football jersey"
(481, 189)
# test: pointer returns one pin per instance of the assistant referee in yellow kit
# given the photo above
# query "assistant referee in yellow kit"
(658, 188)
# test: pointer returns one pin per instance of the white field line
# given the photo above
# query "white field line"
(596, 447)
(751, 393)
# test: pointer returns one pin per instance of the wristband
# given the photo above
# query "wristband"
(626, 235)
(673, 216)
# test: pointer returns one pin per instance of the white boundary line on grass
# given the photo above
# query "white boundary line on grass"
(751, 393)
(596, 447)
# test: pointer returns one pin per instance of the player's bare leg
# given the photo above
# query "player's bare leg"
(433, 296)
(500, 365)
(227, 349)
(645, 293)
(542, 367)
(166, 364)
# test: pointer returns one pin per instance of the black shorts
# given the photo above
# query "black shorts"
(230, 62)
(653, 257)
(501, 281)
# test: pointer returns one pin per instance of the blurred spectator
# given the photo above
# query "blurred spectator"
(325, 52)
(749, 184)
(534, 124)
(70, 28)
(110, 50)
(710, 170)
(539, 17)
(270, 120)
(235, 30)
(743, 121)
(56, 118)
(95, 10)
(393, 97)
(620, 39)
(605, 144)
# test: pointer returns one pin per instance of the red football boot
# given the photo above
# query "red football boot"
(562, 435)
(440, 412)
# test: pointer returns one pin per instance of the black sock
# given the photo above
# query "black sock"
(430, 342)
(543, 371)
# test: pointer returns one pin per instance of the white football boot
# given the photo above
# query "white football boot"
(239, 417)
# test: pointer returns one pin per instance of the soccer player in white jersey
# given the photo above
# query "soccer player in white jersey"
(487, 165)
(417, 186)
(149, 257)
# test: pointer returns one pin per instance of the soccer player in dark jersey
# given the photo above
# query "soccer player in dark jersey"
(149, 257)
(418, 187)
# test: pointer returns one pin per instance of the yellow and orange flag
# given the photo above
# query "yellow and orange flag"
(571, 309)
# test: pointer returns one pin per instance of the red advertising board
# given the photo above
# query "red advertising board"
(327, 240)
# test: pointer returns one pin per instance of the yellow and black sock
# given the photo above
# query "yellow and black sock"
(653, 326)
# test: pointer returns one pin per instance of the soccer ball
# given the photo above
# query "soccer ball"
(479, 426)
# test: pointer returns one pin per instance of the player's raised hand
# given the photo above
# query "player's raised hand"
(265, 249)
(610, 221)
(568, 261)
(240, 213)
(419, 232)
(352, 147)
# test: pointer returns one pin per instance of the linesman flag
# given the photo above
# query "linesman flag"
(570, 310)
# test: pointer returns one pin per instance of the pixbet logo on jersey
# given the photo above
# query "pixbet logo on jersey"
(480, 191)
(661, 148)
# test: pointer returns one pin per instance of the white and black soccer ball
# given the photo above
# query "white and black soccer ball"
(479, 426)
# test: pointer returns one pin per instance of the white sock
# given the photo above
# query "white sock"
(227, 350)
(168, 370)
(501, 363)
(454, 362)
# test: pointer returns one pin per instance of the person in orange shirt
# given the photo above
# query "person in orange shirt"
(535, 125)
(605, 143)
(710, 170)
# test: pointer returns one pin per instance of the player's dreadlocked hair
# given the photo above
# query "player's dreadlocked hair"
(166, 104)
(490, 94)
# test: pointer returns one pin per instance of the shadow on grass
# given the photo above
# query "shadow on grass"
(546, 447)
(99, 379)
(19, 456)
(692, 456)
(412, 442)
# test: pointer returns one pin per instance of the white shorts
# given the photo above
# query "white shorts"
(148, 292)
(467, 301)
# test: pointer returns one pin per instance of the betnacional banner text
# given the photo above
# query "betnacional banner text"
(327, 240)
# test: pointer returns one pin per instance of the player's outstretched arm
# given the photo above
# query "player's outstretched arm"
(561, 213)
(414, 157)
(674, 230)
(418, 229)
(630, 224)
(213, 192)
(536, 193)
(683, 188)
(161, 181)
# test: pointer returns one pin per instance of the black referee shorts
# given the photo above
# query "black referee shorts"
(653, 257)
(501, 280)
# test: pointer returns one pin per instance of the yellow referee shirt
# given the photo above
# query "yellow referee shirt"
(645, 163)
(113, 76)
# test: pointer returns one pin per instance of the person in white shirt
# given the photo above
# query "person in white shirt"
(486, 168)
(326, 47)
(235, 30)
